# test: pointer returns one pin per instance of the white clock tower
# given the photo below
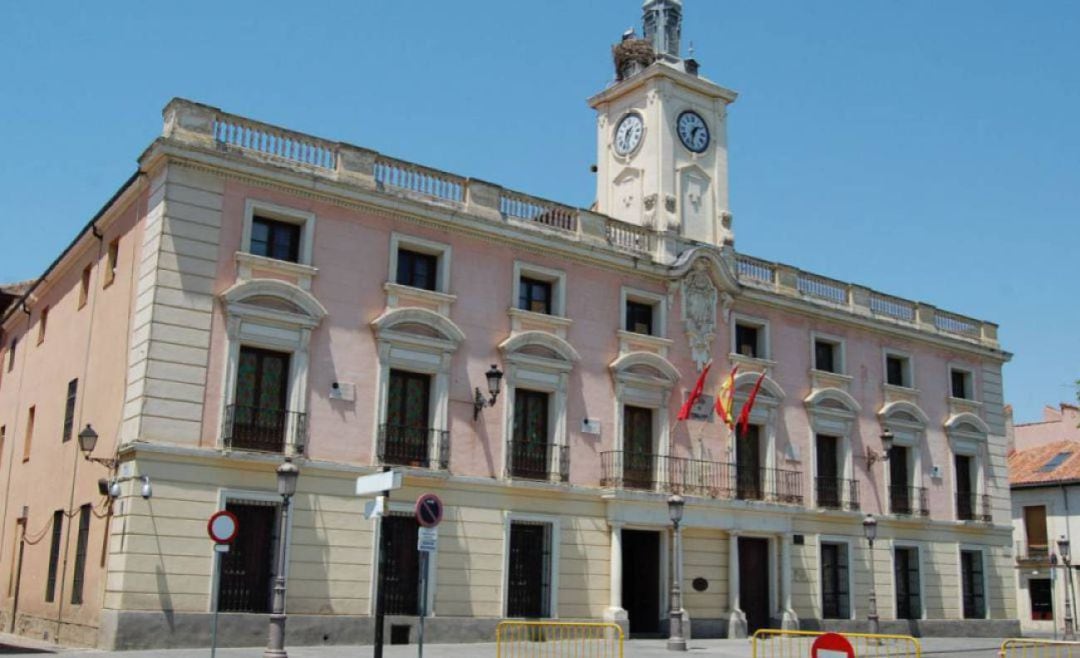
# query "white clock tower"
(662, 136)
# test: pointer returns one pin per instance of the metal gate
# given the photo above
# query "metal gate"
(552, 639)
(771, 643)
(1025, 648)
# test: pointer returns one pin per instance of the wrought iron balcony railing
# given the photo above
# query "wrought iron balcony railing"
(1027, 552)
(973, 507)
(538, 461)
(837, 493)
(422, 447)
(661, 473)
(263, 430)
(909, 501)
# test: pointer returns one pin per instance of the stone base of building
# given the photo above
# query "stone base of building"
(921, 627)
(49, 630)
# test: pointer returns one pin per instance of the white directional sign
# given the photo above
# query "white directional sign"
(377, 483)
(427, 539)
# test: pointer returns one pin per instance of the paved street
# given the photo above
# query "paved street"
(943, 647)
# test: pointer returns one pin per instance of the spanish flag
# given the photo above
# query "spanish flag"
(725, 399)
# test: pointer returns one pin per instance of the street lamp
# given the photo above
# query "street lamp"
(494, 378)
(869, 525)
(1063, 550)
(87, 442)
(886, 446)
(287, 474)
(676, 631)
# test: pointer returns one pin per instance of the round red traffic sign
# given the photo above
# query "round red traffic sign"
(222, 527)
(831, 645)
(429, 510)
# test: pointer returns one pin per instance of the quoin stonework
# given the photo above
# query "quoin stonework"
(252, 292)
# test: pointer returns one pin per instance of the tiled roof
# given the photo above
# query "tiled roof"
(17, 289)
(1050, 463)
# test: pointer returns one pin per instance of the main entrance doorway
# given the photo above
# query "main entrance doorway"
(641, 580)
(754, 582)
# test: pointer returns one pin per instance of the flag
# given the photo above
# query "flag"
(684, 413)
(725, 399)
(744, 416)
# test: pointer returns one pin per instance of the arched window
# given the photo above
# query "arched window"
(833, 414)
(642, 445)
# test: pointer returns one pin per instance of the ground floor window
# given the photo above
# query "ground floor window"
(247, 570)
(1042, 599)
(972, 583)
(835, 597)
(401, 570)
(529, 570)
(908, 591)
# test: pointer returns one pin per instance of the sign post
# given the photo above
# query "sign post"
(379, 483)
(429, 512)
(222, 528)
(832, 645)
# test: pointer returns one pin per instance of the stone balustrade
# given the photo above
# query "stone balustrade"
(209, 127)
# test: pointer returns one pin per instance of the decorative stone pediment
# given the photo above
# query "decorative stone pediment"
(419, 326)
(273, 301)
(706, 285)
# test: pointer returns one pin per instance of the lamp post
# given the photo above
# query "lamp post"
(676, 631)
(869, 525)
(1063, 550)
(287, 474)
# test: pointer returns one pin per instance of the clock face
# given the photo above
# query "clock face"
(693, 132)
(628, 133)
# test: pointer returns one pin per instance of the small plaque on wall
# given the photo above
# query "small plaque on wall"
(590, 426)
(703, 408)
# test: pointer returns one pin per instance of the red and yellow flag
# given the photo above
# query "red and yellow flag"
(725, 399)
(744, 416)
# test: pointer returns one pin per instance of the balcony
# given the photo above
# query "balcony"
(973, 507)
(837, 493)
(421, 447)
(909, 501)
(263, 430)
(1032, 553)
(661, 473)
(538, 461)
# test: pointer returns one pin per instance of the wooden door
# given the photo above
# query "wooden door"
(965, 496)
(247, 570)
(262, 388)
(908, 591)
(408, 405)
(899, 488)
(530, 452)
(754, 582)
(637, 447)
(401, 566)
(748, 464)
(641, 580)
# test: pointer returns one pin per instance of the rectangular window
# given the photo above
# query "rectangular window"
(401, 570)
(748, 469)
(84, 285)
(81, 546)
(639, 317)
(43, 322)
(54, 555)
(960, 384)
(1035, 529)
(534, 295)
(417, 270)
(908, 596)
(829, 487)
(529, 570)
(530, 453)
(898, 370)
(275, 239)
(748, 340)
(1042, 599)
(69, 409)
(405, 436)
(259, 413)
(965, 495)
(29, 437)
(901, 494)
(835, 597)
(637, 447)
(971, 581)
(112, 257)
(825, 356)
(11, 353)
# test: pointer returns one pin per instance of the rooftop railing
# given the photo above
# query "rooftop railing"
(210, 127)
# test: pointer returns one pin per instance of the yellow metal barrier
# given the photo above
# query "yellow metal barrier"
(1024, 648)
(771, 643)
(556, 639)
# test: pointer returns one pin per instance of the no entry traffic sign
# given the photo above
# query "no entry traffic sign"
(429, 510)
(832, 645)
(222, 527)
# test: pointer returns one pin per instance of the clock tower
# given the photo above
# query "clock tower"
(662, 136)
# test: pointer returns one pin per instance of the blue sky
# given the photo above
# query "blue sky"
(927, 149)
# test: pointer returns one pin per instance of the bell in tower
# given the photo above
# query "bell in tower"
(663, 26)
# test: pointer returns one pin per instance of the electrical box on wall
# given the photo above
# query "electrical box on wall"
(345, 391)
(590, 426)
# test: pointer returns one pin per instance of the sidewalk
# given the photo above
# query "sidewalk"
(936, 646)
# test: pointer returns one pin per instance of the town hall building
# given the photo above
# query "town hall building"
(252, 293)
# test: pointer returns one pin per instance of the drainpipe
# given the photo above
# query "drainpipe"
(1068, 535)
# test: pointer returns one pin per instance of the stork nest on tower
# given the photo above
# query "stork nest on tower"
(631, 56)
